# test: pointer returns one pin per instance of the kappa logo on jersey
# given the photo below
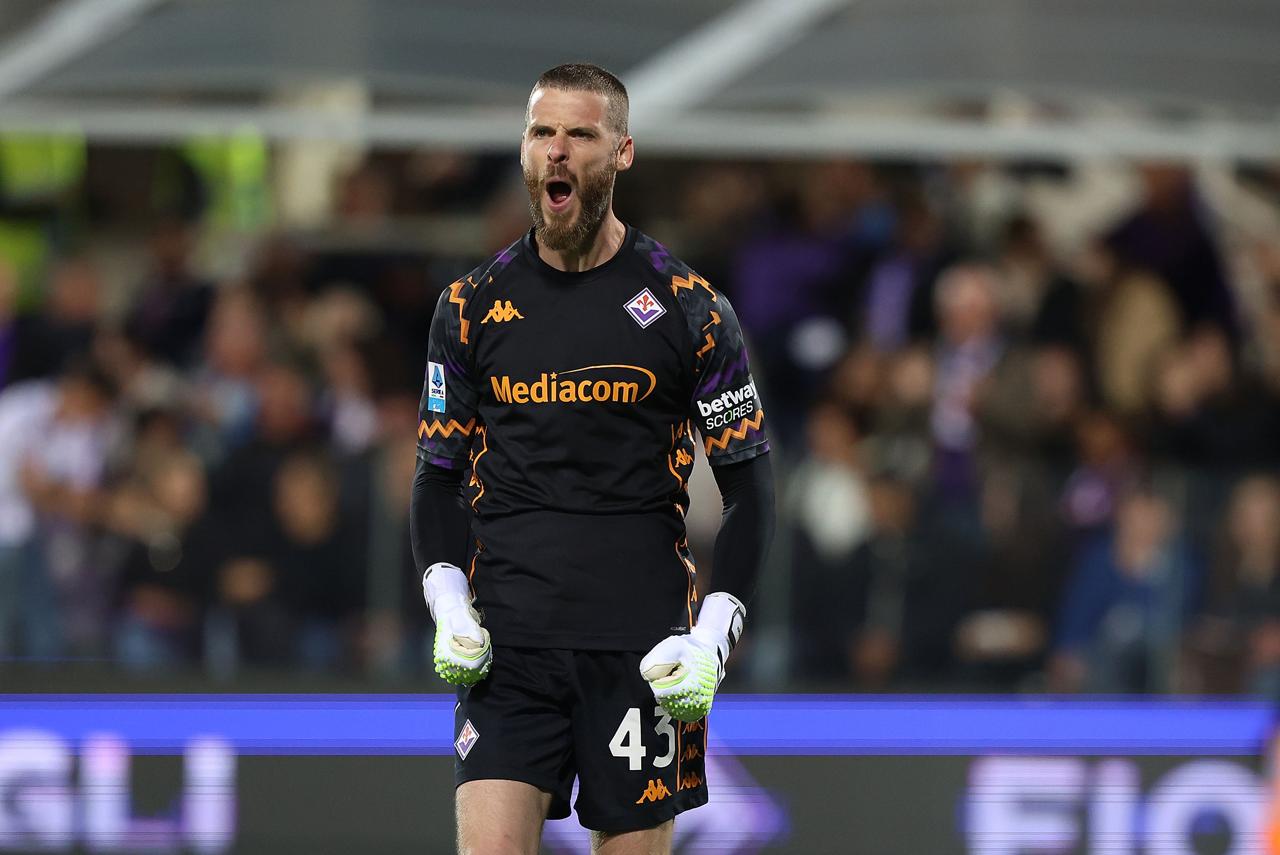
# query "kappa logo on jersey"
(728, 407)
(656, 791)
(605, 384)
(682, 457)
(435, 387)
(467, 739)
(644, 308)
(502, 312)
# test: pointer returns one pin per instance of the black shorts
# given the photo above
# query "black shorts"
(545, 716)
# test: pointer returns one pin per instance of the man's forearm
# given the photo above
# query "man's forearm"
(439, 522)
(746, 528)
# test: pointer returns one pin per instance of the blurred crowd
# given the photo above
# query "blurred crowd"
(1014, 454)
(1021, 465)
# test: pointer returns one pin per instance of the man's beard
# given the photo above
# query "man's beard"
(560, 233)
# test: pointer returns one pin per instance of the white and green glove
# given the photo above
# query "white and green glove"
(684, 671)
(462, 652)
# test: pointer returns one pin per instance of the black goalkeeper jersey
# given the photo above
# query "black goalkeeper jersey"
(572, 399)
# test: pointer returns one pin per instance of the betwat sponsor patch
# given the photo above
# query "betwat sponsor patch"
(728, 407)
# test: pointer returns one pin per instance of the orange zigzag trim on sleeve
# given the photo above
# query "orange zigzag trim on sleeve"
(739, 432)
(455, 297)
(711, 342)
(678, 282)
(444, 430)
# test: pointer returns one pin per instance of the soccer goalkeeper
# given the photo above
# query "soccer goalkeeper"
(565, 379)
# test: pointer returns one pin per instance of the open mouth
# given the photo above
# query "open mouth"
(558, 194)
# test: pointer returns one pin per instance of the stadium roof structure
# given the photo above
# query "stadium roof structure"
(1182, 79)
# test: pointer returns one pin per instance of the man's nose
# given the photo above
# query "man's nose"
(558, 150)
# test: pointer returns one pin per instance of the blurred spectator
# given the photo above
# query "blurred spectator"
(898, 397)
(910, 588)
(144, 383)
(1029, 412)
(1236, 646)
(284, 423)
(335, 316)
(14, 335)
(1031, 405)
(73, 311)
(224, 389)
(1208, 412)
(898, 302)
(40, 344)
(1168, 237)
(292, 592)
(1130, 593)
(969, 347)
(1038, 299)
(247, 625)
(791, 287)
(436, 181)
(168, 317)
(719, 203)
(877, 592)
(53, 443)
(1137, 322)
(278, 276)
(348, 397)
(1105, 469)
(316, 559)
(830, 508)
(171, 549)
(365, 197)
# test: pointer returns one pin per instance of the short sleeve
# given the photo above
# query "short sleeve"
(447, 412)
(726, 406)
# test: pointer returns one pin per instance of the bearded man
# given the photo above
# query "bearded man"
(565, 378)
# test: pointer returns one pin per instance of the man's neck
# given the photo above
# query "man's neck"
(604, 246)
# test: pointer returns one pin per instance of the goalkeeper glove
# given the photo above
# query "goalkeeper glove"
(684, 671)
(462, 652)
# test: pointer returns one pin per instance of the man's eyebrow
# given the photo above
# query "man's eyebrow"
(590, 129)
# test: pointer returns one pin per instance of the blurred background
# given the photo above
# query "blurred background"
(1009, 270)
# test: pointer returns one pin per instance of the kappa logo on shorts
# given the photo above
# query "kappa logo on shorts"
(466, 739)
(655, 792)
(644, 308)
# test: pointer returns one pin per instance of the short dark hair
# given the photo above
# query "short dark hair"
(585, 77)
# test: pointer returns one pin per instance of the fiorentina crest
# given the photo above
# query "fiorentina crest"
(466, 739)
(644, 309)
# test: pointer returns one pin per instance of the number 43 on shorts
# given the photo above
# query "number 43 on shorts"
(627, 740)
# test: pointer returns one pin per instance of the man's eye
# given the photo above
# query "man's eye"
(542, 132)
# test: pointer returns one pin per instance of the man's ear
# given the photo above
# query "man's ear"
(625, 155)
